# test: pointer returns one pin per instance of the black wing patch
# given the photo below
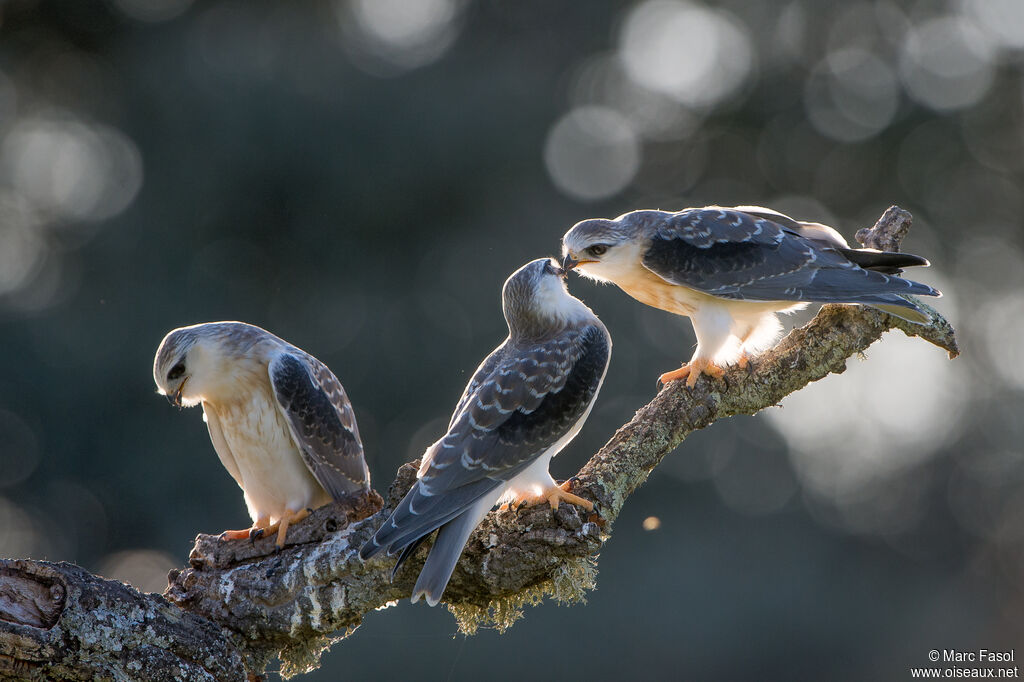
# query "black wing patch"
(527, 396)
(322, 423)
(736, 255)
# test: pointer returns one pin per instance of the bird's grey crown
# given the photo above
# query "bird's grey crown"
(603, 231)
(525, 301)
(171, 349)
(234, 338)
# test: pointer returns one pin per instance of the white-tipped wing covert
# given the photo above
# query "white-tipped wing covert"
(321, 421)
(738, 255)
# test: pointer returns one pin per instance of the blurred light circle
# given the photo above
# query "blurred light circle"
(851, 95)
(890, 507)
(981, 489)
(868, 24)
(8, 101)
(592, 153)
(22, 247)
(946, 63)
(1003, 320)
(696, 55)
(654, 115)
(76, 170)
(146, 569)
(651, 523)
(1002, 20)
(21, 532)
(238, 39)
(756, 482)
(895, 428)
(404, 34)
(152, 11)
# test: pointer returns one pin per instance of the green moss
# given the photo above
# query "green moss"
(568, 585)
(300, 659)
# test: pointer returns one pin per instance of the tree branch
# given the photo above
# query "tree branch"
(239, 605)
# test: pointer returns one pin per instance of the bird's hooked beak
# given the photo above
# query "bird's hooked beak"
(568, 263)
(552, 267)
(175, 398)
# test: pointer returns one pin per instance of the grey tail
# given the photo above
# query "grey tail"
(888, 262)
(445, 553)
(908, 311)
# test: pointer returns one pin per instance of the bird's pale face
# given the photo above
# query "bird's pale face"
(187, 369)
(551, 294)
(536, 292)
(597, 252)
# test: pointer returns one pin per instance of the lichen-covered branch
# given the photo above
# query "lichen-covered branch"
(252, 604)
(60, 622)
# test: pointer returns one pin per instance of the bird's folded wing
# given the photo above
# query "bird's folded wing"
(526, 397)
(736, 255)
(321, 421)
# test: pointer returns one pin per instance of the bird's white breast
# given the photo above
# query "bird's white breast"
(274, 476)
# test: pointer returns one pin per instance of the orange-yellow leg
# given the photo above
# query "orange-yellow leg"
(744, 358)
(560, 493)
(553, 496)
(259, 527)
(691, 371)
(287, 520)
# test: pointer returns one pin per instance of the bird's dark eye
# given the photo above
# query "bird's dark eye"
(176, 371)
(597, 249)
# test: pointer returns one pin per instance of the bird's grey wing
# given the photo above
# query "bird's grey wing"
(321, 421)
(737, 255)
(220, 444)
(527, 398)
(824, 236)
(482, 374)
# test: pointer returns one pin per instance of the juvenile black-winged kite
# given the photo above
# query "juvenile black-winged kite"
(730, 270)
(278, 418)
(525, 402)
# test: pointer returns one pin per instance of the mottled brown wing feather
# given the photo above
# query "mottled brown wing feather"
(321, 421)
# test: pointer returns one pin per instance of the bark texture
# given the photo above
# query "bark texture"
(240, 604)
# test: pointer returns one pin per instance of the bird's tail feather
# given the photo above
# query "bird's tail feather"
(408, 552)
(888, 262)
(440, 563)
(908, 311)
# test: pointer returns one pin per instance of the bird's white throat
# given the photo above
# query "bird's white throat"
(554, 301)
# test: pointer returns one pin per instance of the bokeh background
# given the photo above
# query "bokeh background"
(360, 176)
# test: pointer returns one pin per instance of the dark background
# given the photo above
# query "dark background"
(360, 177)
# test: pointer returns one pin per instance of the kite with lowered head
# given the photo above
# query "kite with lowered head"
(278, 418)
(730, 270)
(525, 402)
